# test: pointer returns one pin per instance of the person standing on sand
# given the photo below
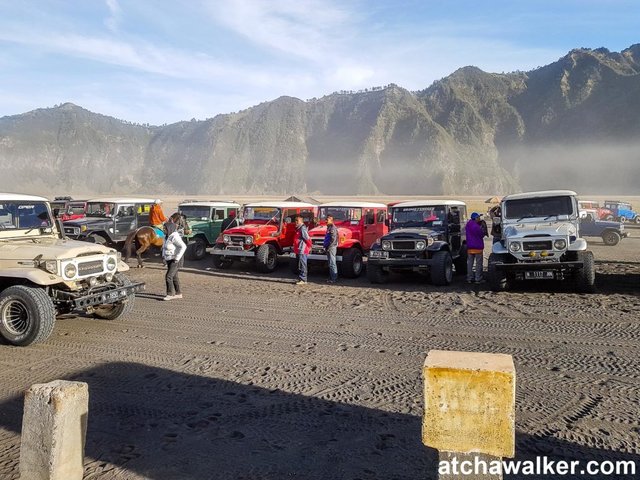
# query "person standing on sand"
(475, 248)
(172, 252)
(230, 222)
(301, 247)
(331, 246)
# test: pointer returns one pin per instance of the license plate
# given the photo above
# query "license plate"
(539, 275)
(378, 254)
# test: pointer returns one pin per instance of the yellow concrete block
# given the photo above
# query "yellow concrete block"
(469, 403)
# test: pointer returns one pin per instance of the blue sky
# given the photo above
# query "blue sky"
(164, 61)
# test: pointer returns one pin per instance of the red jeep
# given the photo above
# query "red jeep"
(69, 209)
(359, 224)
(267, 231)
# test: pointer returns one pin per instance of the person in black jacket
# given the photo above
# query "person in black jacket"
(331, 247)
(229, 222)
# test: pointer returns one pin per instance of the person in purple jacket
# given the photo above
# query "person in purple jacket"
(475, 247)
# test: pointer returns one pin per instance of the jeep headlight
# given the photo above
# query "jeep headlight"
(386, 245)
(560, 244)
(248, 240)
(70, 270)
(226, 239)
(50, 266)
(514, 246)
(112, 263)
(421, 245)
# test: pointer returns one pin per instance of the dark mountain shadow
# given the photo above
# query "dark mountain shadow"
(165, 425)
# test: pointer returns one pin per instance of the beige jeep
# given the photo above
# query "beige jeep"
(43, 274)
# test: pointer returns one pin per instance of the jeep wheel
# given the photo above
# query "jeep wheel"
(376, 274)
(27, 315)
(98, 239)
(266, 258)
(623, 220)
(461, 262)
(197, 249)
(120, 309)
(586, 277)
(351, 265)
(498, 279)
(442, 268)
(637, 220)
(611, 238)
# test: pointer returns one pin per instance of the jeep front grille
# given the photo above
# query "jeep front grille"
(90, 268)
(539, 245)
(237, 239)
(403, 245)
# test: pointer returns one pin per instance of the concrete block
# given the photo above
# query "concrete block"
(54, 426)
(469, 403)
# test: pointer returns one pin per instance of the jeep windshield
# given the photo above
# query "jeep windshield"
(100, 209)
(418, 217)
(195, 212)
(341, 214)
(24, 215)
(545, 207)
(262, 215)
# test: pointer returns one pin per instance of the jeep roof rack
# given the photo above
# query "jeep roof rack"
(62, 198)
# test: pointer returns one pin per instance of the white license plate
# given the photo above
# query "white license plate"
(539, 275)
(378, 254)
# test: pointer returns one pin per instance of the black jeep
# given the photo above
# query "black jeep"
(108, 221)
(425, 236)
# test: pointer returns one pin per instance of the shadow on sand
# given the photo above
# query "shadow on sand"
(163, 425)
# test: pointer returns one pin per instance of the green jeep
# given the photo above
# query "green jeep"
(205, 220)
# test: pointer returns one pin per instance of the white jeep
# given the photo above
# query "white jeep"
(43, 274)
(541, 241)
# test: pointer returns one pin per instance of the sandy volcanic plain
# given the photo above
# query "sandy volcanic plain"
(252, 377)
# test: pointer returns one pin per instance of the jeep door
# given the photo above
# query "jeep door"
(370, 225)
(125, 221)
(215, 225)
(381, 226)
(288, 226)
(455, 219)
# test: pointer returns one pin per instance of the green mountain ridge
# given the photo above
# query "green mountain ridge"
(574, 123)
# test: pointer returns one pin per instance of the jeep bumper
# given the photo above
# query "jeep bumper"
(82, 300)
(233, 253)
(532, 266)
(400, 262)
(319, 256)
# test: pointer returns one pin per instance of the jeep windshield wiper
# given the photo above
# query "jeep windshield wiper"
(529, 215)
(550, 217)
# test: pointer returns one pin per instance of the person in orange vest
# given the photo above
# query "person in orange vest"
(157, 217)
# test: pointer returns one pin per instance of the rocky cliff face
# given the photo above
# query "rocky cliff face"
(574, 124)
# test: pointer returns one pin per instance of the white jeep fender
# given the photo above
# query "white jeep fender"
(499, 248)
(34, 275)
(579, 245)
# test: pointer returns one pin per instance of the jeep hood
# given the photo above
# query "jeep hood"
(540, 230)
(321, 231)
(253, 229)
(411, 233)
(49, 249)
(87, 221)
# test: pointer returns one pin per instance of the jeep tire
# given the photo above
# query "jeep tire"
(461, 261)
(586, 276)
(611, 238)
(351, 265)
(266, 258)
(441, 268)
(498, 279)
(120, 309)
(197, 249)
(27, 315)
(376, 274)
(637, 220)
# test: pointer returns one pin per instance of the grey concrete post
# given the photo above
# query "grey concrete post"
(54, 426)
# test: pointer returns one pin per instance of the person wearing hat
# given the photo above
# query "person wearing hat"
(157, 217)
(230, 222)
(475, 247)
